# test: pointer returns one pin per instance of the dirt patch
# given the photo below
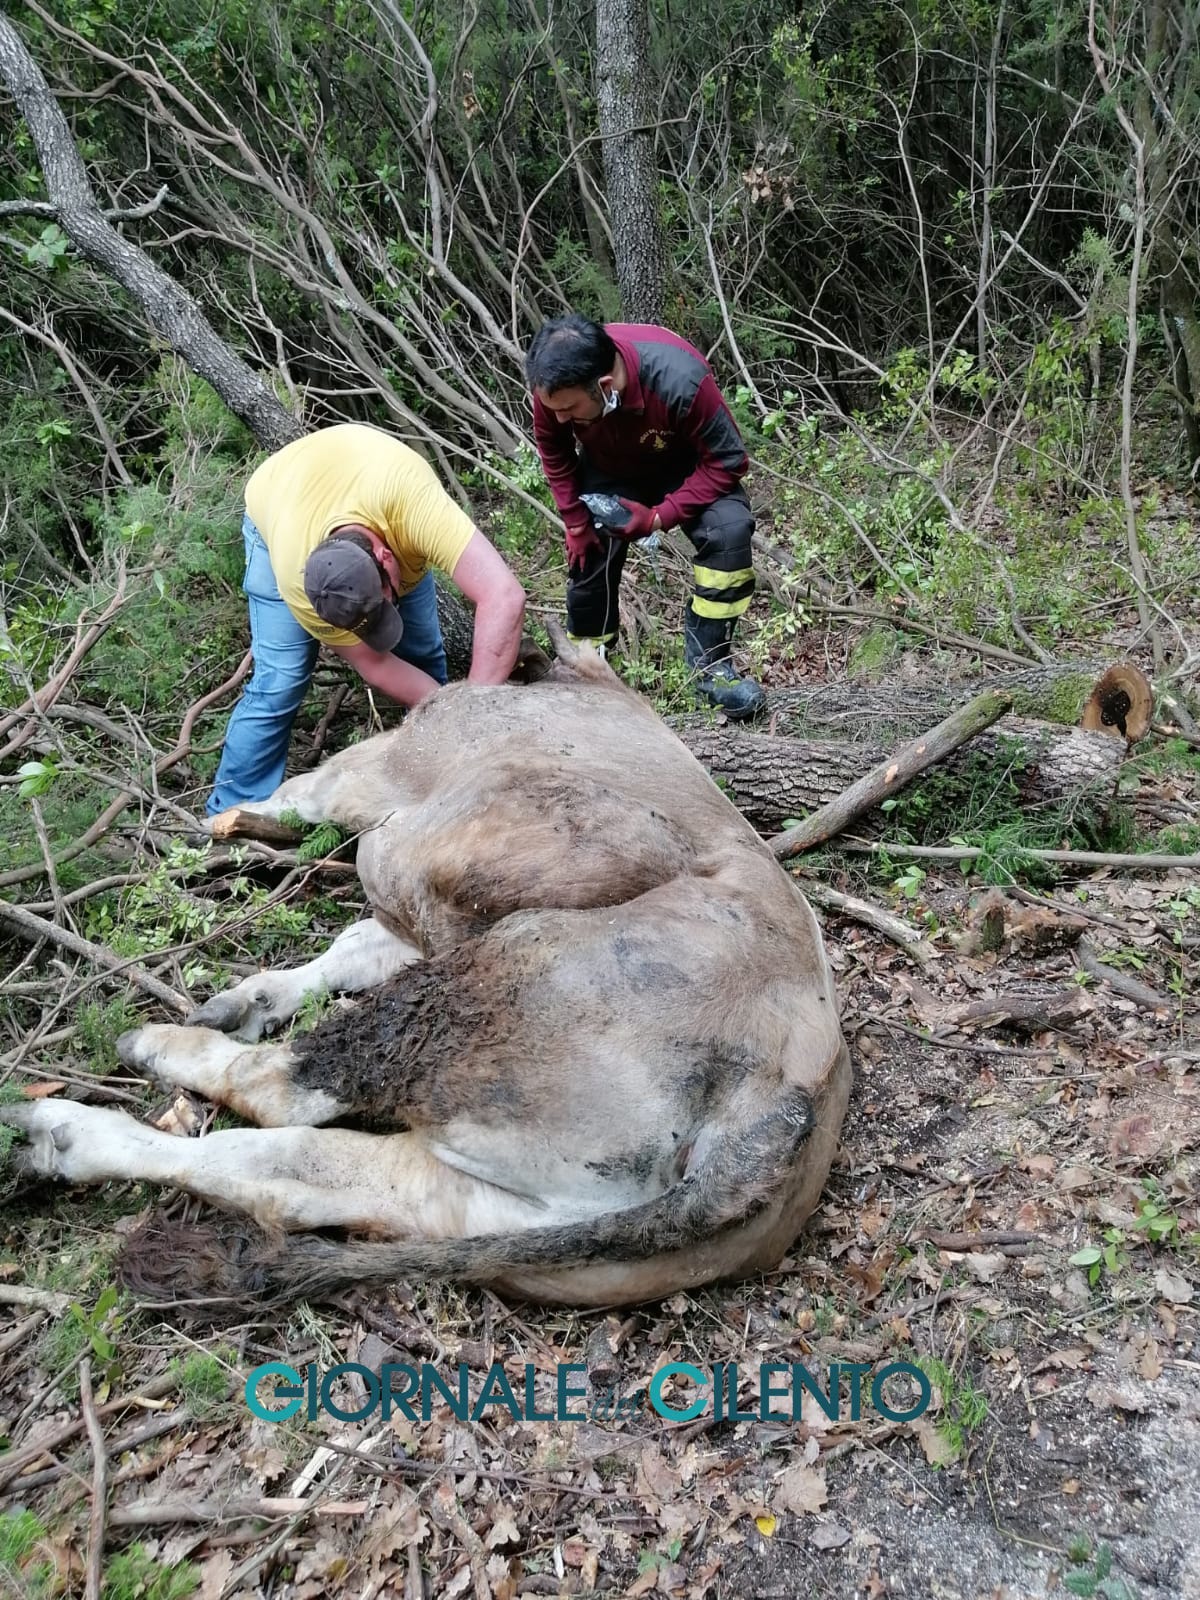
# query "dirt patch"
(387, 1054)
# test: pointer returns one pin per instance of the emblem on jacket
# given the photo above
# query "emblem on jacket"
(654, 438)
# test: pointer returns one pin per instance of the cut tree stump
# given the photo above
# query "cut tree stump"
(1122, 702)
(772, 779)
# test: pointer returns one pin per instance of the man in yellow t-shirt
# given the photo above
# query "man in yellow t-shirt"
(341, 529)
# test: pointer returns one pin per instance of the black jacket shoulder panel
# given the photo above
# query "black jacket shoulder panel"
(672, 374)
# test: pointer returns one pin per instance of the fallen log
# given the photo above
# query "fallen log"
(241, 824)
(1024, 1013)
(870, 916)
(1120, 860)
(151, 1513)
(884, 714)
(772, 779)
(1120, 982)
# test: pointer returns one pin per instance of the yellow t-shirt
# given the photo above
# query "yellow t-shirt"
(352, 473)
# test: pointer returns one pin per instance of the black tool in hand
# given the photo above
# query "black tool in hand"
(606, 509)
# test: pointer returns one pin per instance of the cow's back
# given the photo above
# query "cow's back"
(596, 731)
(567, 794)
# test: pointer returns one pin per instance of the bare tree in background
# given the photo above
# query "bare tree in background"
(171, 311)
(623, 107)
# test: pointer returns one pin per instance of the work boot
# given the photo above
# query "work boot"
(707, 642)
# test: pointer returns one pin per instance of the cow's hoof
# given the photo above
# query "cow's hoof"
(18, 1171)
(47, 1125)
(18, 1114)
(133, 1047)
(225, 1012)
(78, 1143)
(246, 1012)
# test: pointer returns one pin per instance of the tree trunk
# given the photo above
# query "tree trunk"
(771, 779)
(1167, 79)
(625, 112)
(458, 630)
(886, 714)
(170, 310)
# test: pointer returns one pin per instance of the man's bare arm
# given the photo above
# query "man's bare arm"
(499, 599)
(399, 680)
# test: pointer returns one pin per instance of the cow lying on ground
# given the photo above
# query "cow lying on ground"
(597, 1022)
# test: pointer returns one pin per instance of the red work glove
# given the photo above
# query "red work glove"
(579, 541)
(641, 521)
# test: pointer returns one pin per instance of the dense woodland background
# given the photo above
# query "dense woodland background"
(944, 256)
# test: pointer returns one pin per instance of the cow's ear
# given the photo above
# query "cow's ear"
(532, 663)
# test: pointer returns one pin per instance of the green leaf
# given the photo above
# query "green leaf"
(36, 778)
(48, 432)
(1116, 1589)
(50, 249)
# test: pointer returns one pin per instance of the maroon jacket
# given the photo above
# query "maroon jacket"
(672, 443)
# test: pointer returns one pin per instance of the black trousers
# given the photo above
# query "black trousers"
(722, 571)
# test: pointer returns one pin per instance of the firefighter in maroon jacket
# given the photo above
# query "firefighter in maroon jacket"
(632, 411)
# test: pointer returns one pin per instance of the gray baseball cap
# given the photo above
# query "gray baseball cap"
(344, 588)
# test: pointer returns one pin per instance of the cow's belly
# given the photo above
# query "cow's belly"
(574, 1175)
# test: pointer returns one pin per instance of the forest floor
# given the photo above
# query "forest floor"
(1015, 1208)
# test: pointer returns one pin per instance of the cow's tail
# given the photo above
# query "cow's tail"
(233, 1262)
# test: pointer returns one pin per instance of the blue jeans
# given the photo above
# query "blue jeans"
(260, 729)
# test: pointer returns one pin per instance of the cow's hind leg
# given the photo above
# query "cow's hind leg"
(361, 957)
(287, 1178)
(272, 1174)
(344, 789)
(256, 1082)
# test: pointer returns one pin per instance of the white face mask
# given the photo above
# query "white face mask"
(611, 401)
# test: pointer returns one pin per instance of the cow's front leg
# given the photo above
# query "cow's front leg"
(359, 958)
(255, 1082)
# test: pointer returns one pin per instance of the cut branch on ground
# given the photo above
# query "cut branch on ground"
(891, 776)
